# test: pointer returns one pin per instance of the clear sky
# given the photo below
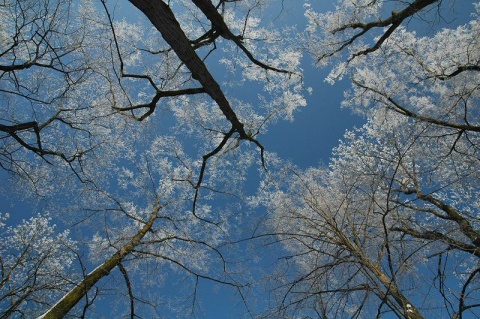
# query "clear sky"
(307, 141)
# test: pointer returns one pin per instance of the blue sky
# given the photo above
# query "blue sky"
(317, 128)
(307, 141)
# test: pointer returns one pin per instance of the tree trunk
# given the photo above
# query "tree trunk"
(64, 305)
(162, 17)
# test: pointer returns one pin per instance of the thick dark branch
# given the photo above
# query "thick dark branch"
(61, 67)
(395, 20)
(10, 68)
(19, 127)
(162, 17)
(209, 10)
(380, 41)
(395, 17)
(459, 70)
(12, 130)
(207, 38)
(164, 20)
(38, 149)
(464, 224)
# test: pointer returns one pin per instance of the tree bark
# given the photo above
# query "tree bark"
(162, 17)
(62, 307)
(375, 272)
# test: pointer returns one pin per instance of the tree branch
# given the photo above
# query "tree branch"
(129, 289)
(394, 20)
(70, 299)
(407, 112)
(437, 236)
(162, 17)
(209, 10)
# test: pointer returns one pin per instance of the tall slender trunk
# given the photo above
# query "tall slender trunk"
(69, 300)
(375, 273)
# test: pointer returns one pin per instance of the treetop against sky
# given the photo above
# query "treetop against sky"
(230, 159)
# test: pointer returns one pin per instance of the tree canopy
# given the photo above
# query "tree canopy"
(391, 224)
(135, 128)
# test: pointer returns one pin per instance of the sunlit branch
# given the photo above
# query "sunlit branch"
(464, 225)
(407, 112)
(437, 236)
(70, 299)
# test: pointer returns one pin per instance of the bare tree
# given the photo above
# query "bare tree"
(84, 91)
(72, 50)
(391, 225)
(39, 68)
(34, 266)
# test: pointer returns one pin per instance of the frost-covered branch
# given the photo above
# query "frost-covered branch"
(70, 299)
